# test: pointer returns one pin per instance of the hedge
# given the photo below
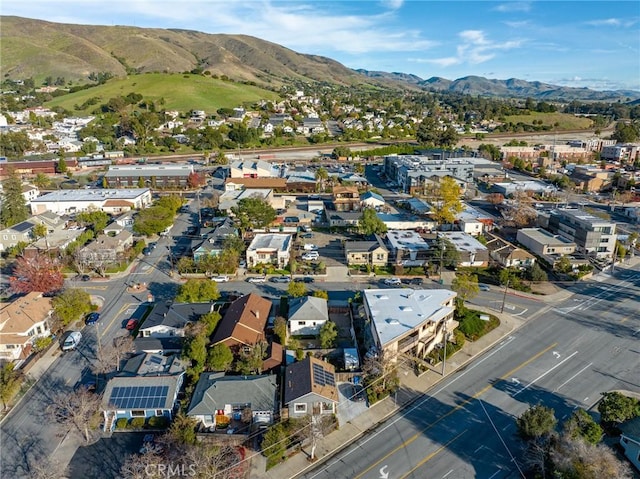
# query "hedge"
(158, 421)
(121, 423)
(137, 422)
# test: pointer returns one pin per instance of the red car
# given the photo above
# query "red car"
(131, 324)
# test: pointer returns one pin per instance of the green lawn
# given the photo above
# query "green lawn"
(566, 121)
(180, 92)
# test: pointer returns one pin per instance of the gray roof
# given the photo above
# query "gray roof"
(214, 391)
(273, 241)
(176, 315)
(149, 364)
(370, 194)
(308, 308)
(364, 246)
(91, 195)
(170, 344)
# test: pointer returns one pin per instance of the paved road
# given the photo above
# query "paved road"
(565, 358)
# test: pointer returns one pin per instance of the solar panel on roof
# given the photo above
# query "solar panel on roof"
(139, 397)
(156, 360)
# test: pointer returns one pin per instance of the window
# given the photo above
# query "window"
(300, 408)
(39, 330)
(327, 407)
(137, 413)
(302, 323)
(159, 412)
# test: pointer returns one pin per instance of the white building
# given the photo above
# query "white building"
(307, 315)
(108, 200)
(253, 169)
(408, 321)
(269, 248)
(472, 253)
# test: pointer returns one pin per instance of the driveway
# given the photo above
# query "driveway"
(348, 407)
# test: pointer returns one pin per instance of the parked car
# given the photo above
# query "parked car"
(84, 277)
(153, 245)
(310, 247)
(392, 281)
(220, 279)
(131, 324)
(417, 281)
(306, 235)
(256, 279)
(92, 318)
(280, 279)
(306, 279)
(146, 251)
(71, 340)
(484, 287)
(311, 256)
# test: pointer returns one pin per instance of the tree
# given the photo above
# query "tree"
(448, 204)
(153, 220)
(62, 167)
(41, 180)
(78, 410)
(254, 212)
(197, 291)
(370, 224)
(617, 408)
(195, 180)
(219, 357)
(97, 220)
(466, 285)
(274, 443)
(328, 334)
(280, 329)
(536, 273)
(195, 350)
(210, 321)
(321, 176)
(296, 289)
(10, 382)
(320, 293)
(40, 231)
(490, 151)
(71, 305)
(251, 362)
(36, 273)
(183, 429)
(581, 425)
(495, 198)
(536, 421)
(14, 143)
(13, 208)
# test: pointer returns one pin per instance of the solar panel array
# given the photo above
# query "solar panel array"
(322, 377)
(139, 397)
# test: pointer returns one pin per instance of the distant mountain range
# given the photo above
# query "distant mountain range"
(38, 49)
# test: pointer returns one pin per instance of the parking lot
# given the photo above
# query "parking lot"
(329, 247)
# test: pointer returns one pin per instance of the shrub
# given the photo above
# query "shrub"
(137, 422)
(158, 422)
(121, 423)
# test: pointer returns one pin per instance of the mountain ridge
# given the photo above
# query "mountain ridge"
(38, 48)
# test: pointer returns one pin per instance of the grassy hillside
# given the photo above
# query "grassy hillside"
(565, 121)
(180, 92)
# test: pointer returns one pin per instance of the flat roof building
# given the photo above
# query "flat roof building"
(107, 200)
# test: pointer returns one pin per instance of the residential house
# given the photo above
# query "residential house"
(508, 255)
(19, 233)
(630, 440)
(246, 402)
(128, 397)
(238, 184)
(269, 248)
(307, 315)
(54, 243)
(214, 243)
(303, 181)
(407, 248)
(373, 252)
(343, 219)
(158, 345)
(230, 198)
(473, 221)
(153, 176)
(106, 249)
(75, 201)
(543, 243)
(153, 364)
(169, 320)
(310, 388)
(592, 235)
(346, 198)
(370, 199)
(22, 321)
(244, 322)
(408, 321)
(471, 252)
(30, 192)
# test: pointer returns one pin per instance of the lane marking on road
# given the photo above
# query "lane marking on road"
(447, 474)
(432, 455)
(521, 313)
(545, 373)
(124, 307)
(573, 377)
(593, 300)
(495, 473)
(446, 415)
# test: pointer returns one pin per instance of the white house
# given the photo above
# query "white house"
(307, 315)
(269, 248)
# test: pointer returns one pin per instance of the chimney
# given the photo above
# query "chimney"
(257, 313)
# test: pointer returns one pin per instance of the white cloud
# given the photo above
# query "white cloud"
(613, 22)
(475, 48)
(392, 4)
(513, 7)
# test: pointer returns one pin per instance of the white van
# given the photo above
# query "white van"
(71, 341)
(311, 256)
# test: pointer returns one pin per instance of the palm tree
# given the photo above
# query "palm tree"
(321, 175)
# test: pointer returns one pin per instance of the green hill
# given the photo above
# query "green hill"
(180, 92)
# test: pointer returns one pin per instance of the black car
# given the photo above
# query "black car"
(83, 277)
(92, 318)
(306, 279)
(417, 281)
(147, 251)
(306, 235)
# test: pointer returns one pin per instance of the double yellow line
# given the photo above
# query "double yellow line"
(452, 411)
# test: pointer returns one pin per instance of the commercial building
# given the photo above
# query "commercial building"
(153, 176)
(593, 236)
(543, 243)
(107, 200)
(413, 173)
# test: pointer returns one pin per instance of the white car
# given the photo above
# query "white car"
(484, 287)
(392, 282)
(311, 256)
(310, 247)
(257, 279)
(71, 341)
(220, 279)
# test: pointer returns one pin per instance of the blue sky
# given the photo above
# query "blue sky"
(594, 44)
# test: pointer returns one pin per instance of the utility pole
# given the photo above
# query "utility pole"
(444, 346)
(442, 244)
(504, 298)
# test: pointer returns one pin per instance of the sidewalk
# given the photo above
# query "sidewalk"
(412, 387)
